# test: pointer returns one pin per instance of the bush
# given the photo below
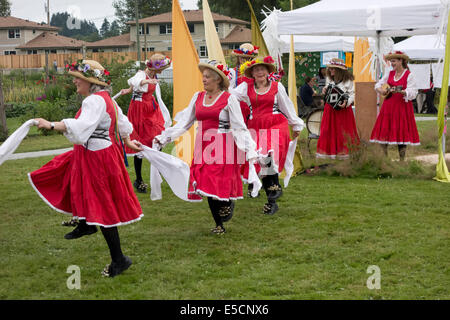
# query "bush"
(17, 109)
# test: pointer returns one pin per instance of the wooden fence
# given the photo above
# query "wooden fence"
(36, 61)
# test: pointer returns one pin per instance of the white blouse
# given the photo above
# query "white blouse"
(94, 119)
(233, 75)
(136, 80)
(231, 114)
(285, 104)
(411, 86)
(347, 87)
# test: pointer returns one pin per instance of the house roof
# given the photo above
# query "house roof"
(13, 22)
(51, 40)
(118, 41)
(190, 16)
(239, 34)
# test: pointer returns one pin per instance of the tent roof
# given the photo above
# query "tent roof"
(318, 43)
(363, 18)
(422, 47)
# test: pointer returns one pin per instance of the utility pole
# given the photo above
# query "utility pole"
(47, 8)
(3, 127)
(138, 43)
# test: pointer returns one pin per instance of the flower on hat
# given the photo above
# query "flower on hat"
(88, 72)
(223, 68)
(269, 59)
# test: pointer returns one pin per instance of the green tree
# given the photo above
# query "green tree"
(5, 8)
(105, 29)
(126, 10)
(87, 30)
(114, 30)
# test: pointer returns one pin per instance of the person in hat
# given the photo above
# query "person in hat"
(91, 182)
(148, 116)
(246, 52)
(338, 127)
(221, 131)
(272, 114)
(395, 124)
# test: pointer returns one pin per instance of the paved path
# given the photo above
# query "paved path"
(426, 118)
(431, 158)
(37, 154)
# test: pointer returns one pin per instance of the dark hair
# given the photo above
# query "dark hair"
(307, 79)
(320, 73)
(340, 75)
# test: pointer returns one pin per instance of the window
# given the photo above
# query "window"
(31, 51)
(165, 28)
(169, 48)
(217, 27)
(94, 50)
(234, 46)
(191, 27)
(50, 51)
(14, 33)
(151, 49)
(203, 51)
(141, 29)
(7, 53)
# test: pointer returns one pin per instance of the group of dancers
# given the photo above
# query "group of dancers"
(243, 107)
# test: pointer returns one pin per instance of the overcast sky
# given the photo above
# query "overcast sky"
(93, 10)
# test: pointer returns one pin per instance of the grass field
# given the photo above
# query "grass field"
(328, 231)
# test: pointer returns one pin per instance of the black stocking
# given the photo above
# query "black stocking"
(112, 238)
(138, 168)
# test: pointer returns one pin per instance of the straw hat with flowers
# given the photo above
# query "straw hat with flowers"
(158, 62)
(337, 63)
(219, 68)
(268, 61)
(89, 70)
(397, 55)
(246, 50)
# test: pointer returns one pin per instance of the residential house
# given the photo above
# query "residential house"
(15, 32)
(52, 42)
(156, 31)
(121, 43)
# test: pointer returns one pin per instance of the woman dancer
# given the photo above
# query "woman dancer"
(221, 130)
(91, 182)
(272, 114)
(144, 112)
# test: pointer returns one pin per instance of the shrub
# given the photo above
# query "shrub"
(17, 109)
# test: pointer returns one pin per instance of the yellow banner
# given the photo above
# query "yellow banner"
(257, 37)
(361, 61)
(187, 78)
(442, 173)
(212, 38)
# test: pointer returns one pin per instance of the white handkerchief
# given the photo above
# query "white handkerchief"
(289, 164)
(12, 143)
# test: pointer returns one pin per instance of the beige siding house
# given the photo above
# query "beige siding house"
(156, 31)
(15, 32)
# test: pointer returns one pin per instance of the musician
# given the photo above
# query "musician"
(338, 126)
(396, 124)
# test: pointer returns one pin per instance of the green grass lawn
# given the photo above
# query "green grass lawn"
(328, 231)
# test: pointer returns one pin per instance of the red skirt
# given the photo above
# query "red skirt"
(90, 185)
(396, 123)
(147, 120)
(272, 137)
(219, 181)
(337, 133)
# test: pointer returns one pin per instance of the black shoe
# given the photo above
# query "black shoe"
(81, 230)
(140, 186)
(116, 268)
(270, 208)
(218, 230)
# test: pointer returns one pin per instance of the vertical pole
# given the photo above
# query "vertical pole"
(138, 43)
(3, 127)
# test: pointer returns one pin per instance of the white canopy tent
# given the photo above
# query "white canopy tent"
(318, 43)
(423, 47)
(365, 18)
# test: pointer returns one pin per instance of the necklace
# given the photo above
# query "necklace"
(210, 95)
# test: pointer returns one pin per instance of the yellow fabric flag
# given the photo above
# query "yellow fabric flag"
(187, 78)
(257, 37)
(361, 63)
(442, 173)
(212, 38)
